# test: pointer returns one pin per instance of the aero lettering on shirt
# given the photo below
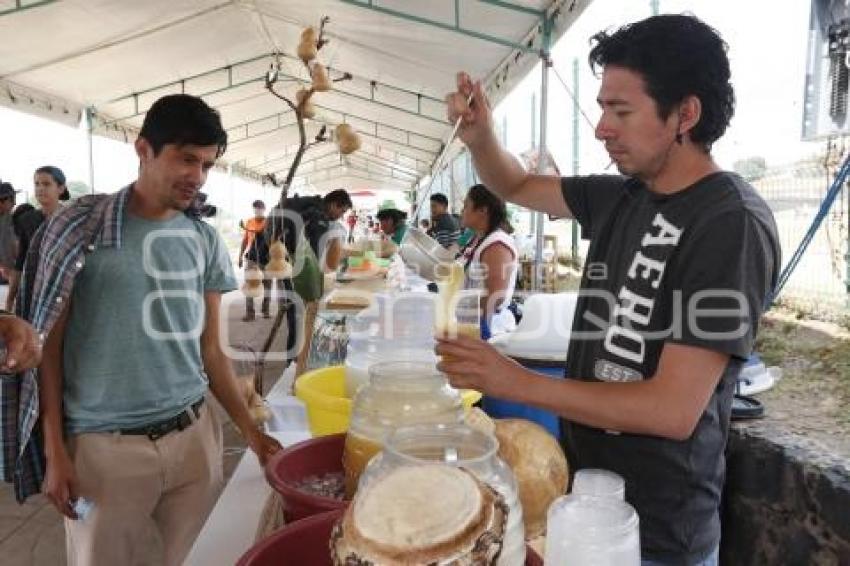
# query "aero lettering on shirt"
(636, 299)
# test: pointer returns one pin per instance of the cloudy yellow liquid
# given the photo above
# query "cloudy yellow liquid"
(357, 453)
(470, 329)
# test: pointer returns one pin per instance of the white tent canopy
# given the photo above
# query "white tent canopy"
(114, 58)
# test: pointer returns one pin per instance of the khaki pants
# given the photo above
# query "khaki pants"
(138, 486)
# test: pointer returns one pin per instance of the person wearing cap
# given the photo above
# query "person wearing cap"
(50, 189)
(393, 224)
(257, 256)
(8, 240)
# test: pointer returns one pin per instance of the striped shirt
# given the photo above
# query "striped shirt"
(445, 228)
(57, 253)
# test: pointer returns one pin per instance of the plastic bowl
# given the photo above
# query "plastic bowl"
(285, 469)
(328, 408)
(307, 543)
(424, 254)
(303, 543)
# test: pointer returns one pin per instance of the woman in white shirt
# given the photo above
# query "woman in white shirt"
(490, 258)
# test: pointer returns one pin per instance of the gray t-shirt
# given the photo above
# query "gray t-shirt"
(132, 351)
(651, 258)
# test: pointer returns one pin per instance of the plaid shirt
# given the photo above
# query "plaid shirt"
(57, 253)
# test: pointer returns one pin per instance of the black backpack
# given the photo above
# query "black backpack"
(312, 212)
(258, 252)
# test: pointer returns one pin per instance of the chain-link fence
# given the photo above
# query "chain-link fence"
(794, 194)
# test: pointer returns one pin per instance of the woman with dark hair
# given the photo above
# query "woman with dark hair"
(490, 258)
(50, 188)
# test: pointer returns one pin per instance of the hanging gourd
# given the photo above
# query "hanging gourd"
(256, 405)
(253, 286)
(307, 109)
(307, 49)
(278, 267)
(347, 139)
(321, 80)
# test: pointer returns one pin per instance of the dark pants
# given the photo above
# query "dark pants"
(267, 292)
(283, 303)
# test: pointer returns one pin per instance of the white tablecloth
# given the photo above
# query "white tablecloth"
(230, 529)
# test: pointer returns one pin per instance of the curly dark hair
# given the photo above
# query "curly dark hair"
(677, 56)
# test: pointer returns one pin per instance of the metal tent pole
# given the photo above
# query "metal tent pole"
(90, 144)
(576, 132)
(532, 215)
(545, 63)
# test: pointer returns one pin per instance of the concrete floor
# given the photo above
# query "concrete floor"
(32, 534)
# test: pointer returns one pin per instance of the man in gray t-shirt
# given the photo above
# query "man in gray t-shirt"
(135, 350)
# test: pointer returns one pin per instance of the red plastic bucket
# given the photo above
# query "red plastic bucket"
(307, 543)
(285, 469)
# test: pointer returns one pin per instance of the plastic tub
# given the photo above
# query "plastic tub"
(501, 409)
(316, 456)
(328, 407)
(307, 543)
(323, 392)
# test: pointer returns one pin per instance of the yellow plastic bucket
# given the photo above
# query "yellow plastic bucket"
(328, 409)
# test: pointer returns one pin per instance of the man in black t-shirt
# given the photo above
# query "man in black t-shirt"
(317, 220)
(681, 260)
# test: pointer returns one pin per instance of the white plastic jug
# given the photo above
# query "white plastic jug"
(584, 530)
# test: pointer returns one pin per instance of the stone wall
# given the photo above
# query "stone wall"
(786, 501)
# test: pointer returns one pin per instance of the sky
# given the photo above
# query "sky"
(767, 49)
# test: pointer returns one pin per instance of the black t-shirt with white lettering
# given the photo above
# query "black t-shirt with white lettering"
(693, 268)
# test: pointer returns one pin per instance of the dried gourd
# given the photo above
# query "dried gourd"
(321, 79)
(302, 97)
(347, 139)
(309, 35)
(253, 286)
(252, 292)
(260, 414)
(278, 269)
(277, 250)
(539, 466)
(307, 51)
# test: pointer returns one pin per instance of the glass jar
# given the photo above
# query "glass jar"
(397, 327)
(361, 358)
(465, 447)
(399, 393)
